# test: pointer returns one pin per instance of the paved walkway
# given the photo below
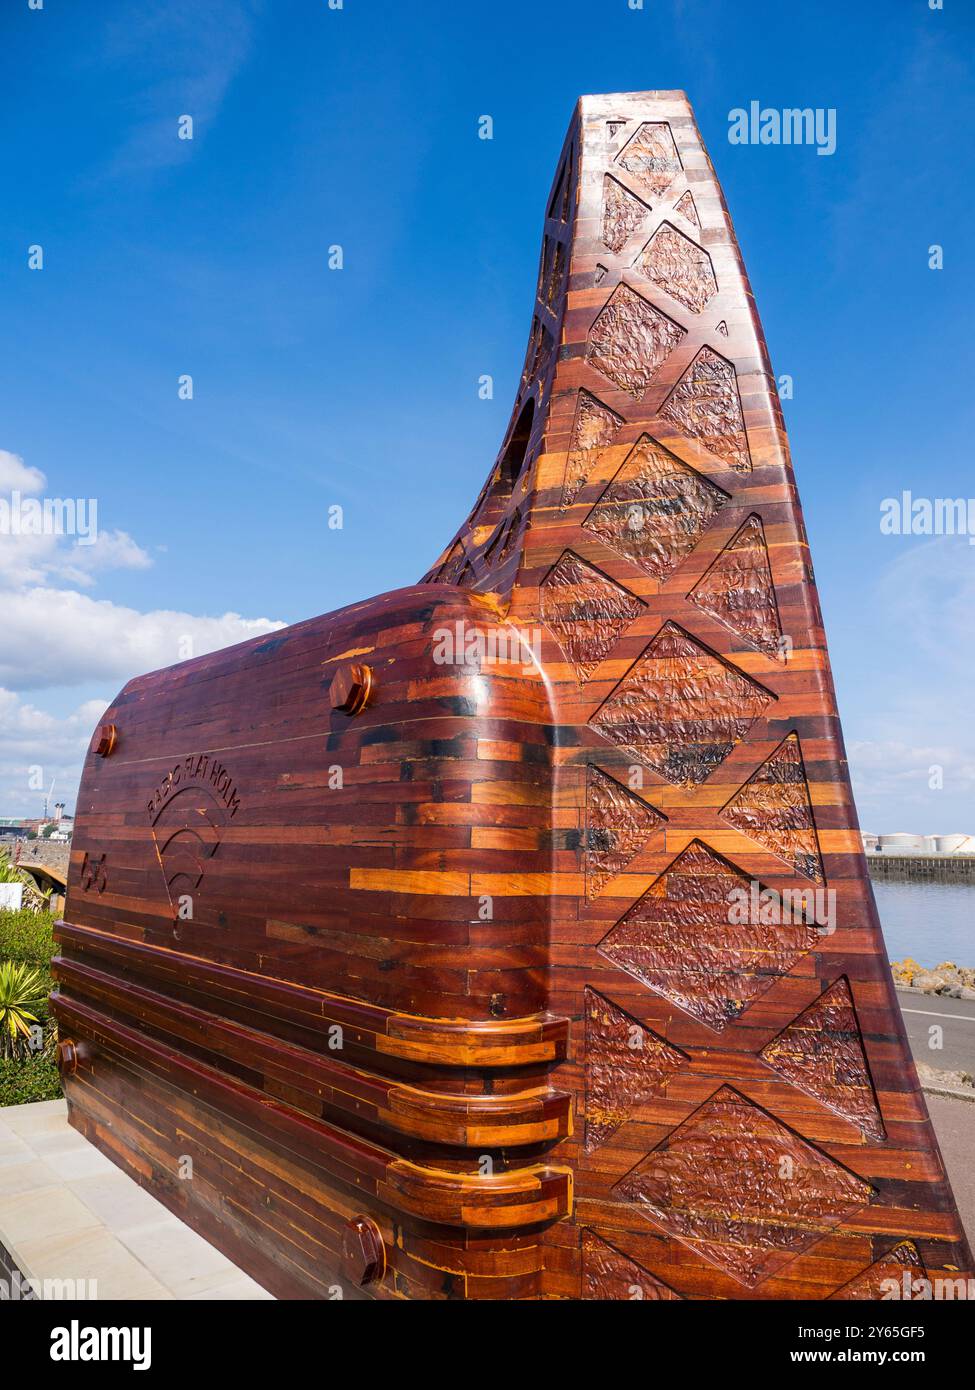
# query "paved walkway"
(954, 1124)
(67, 1212)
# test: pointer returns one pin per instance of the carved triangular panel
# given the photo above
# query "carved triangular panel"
(742, 1190)
(626, 1064)
(656, 508)
(680, 708)
(687, 207)
(680, 267)
(706, 405)
(651, 157)
(618, 825)
(738, 589)
(774, 808)
(594, 427)
(608, 1274)
(587, 612)
(893, 1276)
(623, 213)
(630, 339)
(695, 938)
(822, 1053)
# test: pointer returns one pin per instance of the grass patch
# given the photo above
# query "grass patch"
(27, 936)
(28, 1079)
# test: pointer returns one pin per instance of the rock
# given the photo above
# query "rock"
(904, 970)
(950, 980)
(950, 972)
(932, 1076)
(929, 981)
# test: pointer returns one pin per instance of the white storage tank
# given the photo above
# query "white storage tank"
(902, 843)
(955, 844)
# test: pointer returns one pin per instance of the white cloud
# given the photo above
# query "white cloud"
(928, 788)
(917, 719)
(16, 476)
(37, 748)
(930, 592)
(53, 635)
(111, 550)
(57, 637)
(67, 545)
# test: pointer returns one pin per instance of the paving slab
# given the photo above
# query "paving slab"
(954, 1124)
(67, 1213)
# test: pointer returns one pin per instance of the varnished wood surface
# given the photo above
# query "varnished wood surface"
(604, 1084)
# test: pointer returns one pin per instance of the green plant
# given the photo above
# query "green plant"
(27, 936)
(29, 1079)
(22, 990)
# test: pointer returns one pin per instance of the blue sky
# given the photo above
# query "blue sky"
(314, 387)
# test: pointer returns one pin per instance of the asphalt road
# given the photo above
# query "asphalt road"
(956, 1020)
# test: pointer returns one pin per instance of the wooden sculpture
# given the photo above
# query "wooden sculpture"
(509, 936)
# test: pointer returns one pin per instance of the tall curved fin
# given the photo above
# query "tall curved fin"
(652, 534)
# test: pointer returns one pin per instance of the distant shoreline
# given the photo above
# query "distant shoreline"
(922, 868)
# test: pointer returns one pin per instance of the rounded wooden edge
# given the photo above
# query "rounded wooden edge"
(409, 1037)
